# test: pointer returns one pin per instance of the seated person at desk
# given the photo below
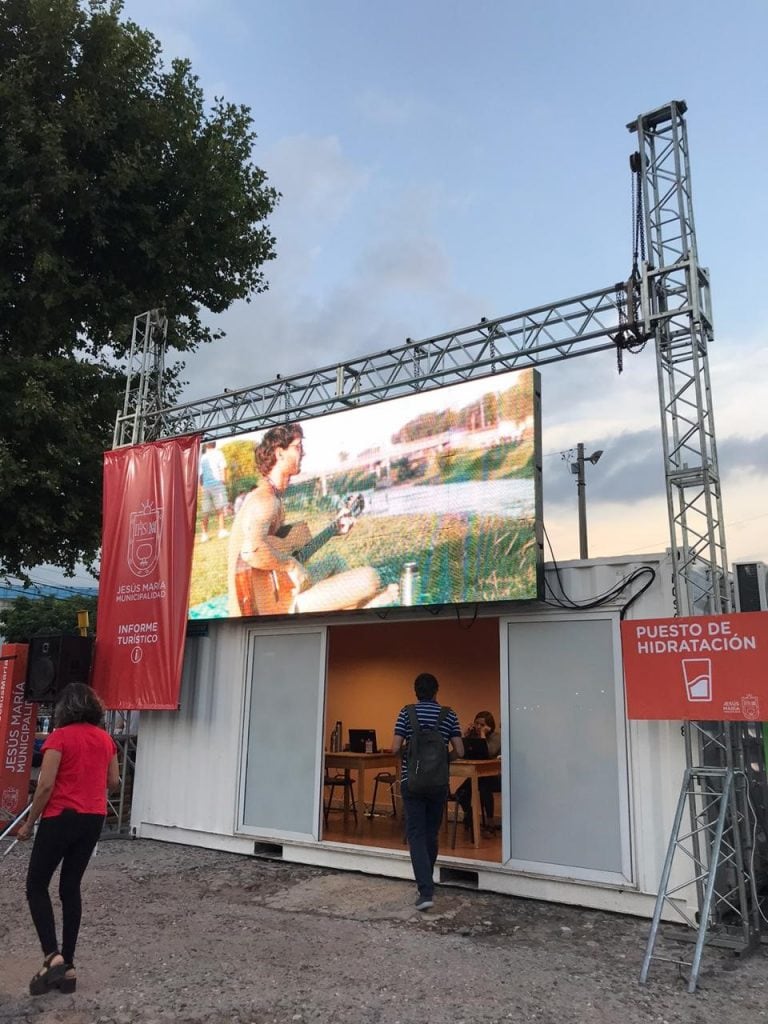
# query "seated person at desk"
(483, 727)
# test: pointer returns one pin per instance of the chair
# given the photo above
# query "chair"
(451, 799)
(344, 782)
(386, 779)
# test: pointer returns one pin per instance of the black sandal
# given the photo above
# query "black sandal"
(68, 983)
(48, 977)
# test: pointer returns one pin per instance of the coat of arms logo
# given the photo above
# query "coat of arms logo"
(144, 533)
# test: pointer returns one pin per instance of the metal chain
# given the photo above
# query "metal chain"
(620, 334)
(628, 336)
(640, 218)
(638, 223)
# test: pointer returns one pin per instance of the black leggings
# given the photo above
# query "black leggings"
(487, 787)
(68, 839)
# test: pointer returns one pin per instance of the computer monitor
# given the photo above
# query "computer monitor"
(475, 749)
(359, 739)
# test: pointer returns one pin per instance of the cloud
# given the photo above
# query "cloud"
(317, 181)
(412, 263)
(738, 371)
(738, 454)
(386, 110)
(363, 262)
(625, 492)
(630, 469)
(613, 529)
(626, 502)
(361, 265)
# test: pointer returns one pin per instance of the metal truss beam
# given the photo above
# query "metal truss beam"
(674, 310)
(545, 334)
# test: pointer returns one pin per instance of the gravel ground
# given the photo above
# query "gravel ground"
(173, 933)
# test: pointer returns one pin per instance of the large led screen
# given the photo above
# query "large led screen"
(429, 499)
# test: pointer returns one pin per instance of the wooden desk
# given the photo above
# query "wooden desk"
(474, 770)
(361, 763)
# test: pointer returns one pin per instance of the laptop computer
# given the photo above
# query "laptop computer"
(475, 749)
(358, 739)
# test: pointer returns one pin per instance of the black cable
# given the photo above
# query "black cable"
(641, 591)
(471, 622)
(16, 583)
(38, 590)
(605, 598)
(609, 596)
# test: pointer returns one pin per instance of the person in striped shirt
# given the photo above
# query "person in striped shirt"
(424, 812)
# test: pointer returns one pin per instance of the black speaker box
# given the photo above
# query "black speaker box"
(55, 661)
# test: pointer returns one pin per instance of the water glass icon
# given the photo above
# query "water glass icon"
(697, 673)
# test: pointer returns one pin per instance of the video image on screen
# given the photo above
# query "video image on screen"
(428, 499)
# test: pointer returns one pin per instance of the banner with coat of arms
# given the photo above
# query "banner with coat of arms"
(149, 508)
(17, 733)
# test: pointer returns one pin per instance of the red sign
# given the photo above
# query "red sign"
(17, 733)
(710, 668)
(150, 499)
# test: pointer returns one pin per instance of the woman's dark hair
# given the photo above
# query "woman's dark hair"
(277, 437)
(425, 686)
(78, 703)
(488, 718)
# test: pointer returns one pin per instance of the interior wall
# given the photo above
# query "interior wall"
(371, 669)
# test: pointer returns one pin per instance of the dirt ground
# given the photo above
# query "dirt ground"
(174, 933)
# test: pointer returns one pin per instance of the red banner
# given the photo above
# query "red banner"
(150, 500)
(18, 720)
(709, 668)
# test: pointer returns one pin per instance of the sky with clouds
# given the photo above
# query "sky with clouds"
(441, 161)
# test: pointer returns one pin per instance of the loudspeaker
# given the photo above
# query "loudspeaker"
(55, 661)
(750, 586)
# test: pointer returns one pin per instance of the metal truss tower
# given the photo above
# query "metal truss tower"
(667, 299)
(142, 415)
(674, 310)
(675, 301)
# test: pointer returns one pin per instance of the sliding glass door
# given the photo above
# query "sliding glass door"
(282, 739)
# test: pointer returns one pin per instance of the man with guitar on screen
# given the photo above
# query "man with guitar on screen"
(266, 575)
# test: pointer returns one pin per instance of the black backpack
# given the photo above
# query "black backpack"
(427, 755)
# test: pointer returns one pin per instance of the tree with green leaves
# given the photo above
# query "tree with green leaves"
(26, 617)
(241, 467)
(120, 191)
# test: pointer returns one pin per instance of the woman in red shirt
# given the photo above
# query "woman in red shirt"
(79, 764)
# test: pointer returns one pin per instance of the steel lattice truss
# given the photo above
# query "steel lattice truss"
(674, 310)
(676, 306)
(546, 334)
(708, 842)
(145, 377)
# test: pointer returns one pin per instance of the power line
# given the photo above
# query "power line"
(38, 588)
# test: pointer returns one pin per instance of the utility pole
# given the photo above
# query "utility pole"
(577, 468)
